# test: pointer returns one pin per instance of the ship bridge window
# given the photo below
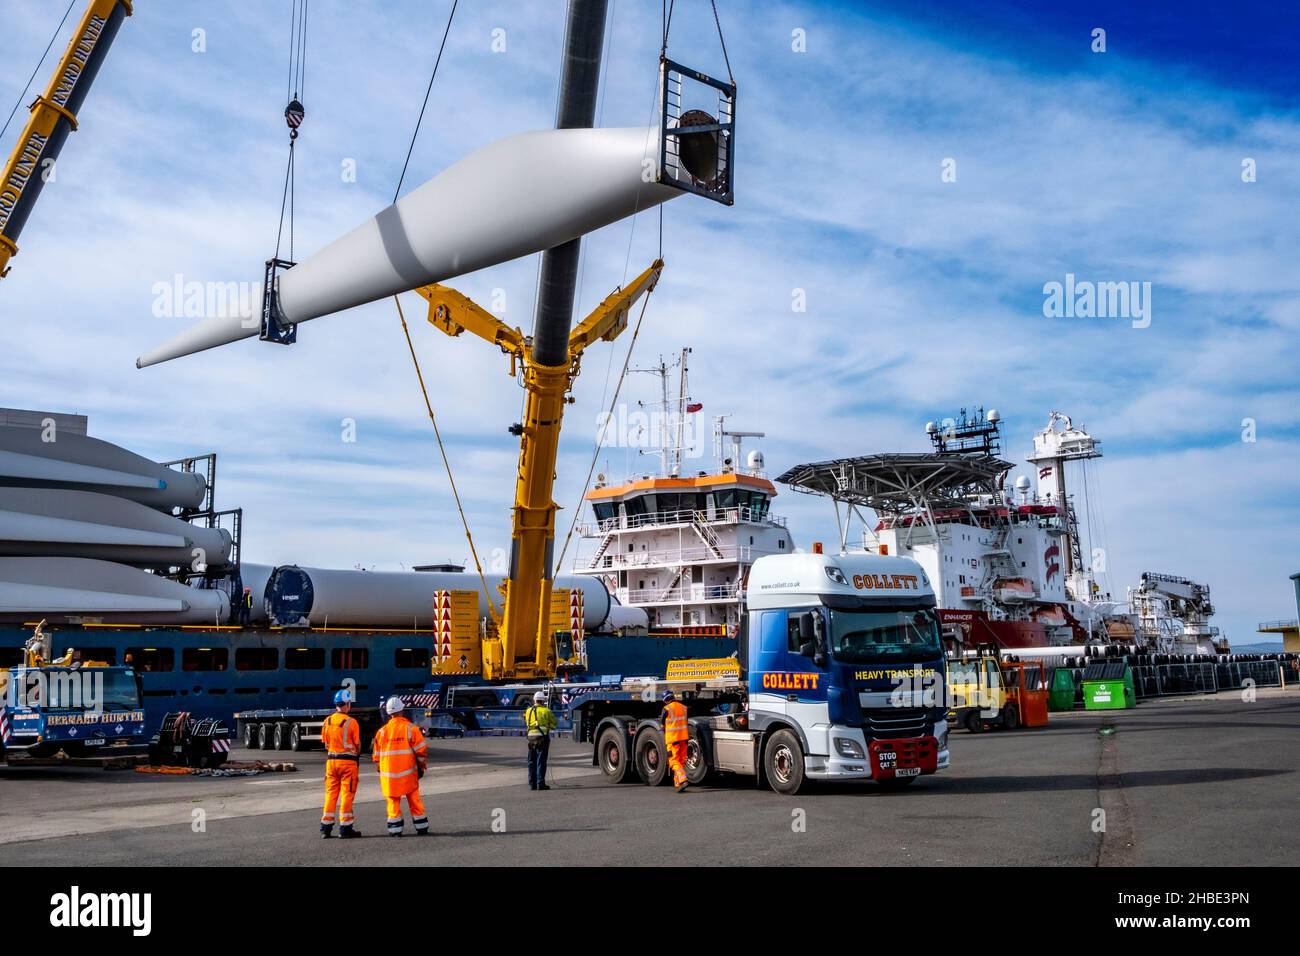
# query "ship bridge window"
(204, 658)
(350, 658)
(635, 506)
(304, 658)
(758, 503)
(604, 511)
(256, 658)
(411, 657)
(151, 660)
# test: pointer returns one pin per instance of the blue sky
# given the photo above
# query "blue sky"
(922, 295)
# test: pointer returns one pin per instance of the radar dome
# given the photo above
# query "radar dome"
(994, 415)
(755, 460)
(931, 428)
(1022, 483)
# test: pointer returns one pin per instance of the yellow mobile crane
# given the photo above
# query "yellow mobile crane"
(54, 116)
(523, 643)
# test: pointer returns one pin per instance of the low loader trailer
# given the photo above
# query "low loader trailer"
(839, 675)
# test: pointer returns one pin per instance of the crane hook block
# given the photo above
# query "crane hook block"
(294, 114)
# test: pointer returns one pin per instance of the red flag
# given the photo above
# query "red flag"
(694, 407)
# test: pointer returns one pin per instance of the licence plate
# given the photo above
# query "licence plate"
(93, 742)
(907, 772)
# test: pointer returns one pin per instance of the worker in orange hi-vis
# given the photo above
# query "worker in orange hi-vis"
(341, 736)
(402, 754)
(676, 735)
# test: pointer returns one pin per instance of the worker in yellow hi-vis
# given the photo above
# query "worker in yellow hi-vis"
(540, 721)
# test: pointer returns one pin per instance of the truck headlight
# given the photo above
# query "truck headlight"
(836, 575)
(848, 748)
(941, 734)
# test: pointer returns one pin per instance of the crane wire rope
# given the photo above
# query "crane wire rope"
(410, 345)
(39, 63)
(600, 438)
(294, 113)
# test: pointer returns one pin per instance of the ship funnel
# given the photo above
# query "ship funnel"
(517, 196)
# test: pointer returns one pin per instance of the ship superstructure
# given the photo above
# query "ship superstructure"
(679, 544)
(1008, 566)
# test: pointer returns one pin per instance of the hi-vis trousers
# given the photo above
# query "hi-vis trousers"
(416, 806)
(341, 777)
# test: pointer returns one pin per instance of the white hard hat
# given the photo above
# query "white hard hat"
(394, 705)
(539, 697)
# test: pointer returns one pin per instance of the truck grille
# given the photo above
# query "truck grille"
(891, 723)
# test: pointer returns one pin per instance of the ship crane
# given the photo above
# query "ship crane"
(1171, 610)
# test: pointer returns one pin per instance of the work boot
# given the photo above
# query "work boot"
(423, 833)
(681, 787)
(394, 833)
(326, 832)
(348, 833)
(542, 786)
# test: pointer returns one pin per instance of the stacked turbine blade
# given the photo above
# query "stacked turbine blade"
(81, 518)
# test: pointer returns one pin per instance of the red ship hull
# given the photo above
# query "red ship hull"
(976, 629)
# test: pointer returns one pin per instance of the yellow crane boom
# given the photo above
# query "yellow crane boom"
(521, 644)
(54, 116)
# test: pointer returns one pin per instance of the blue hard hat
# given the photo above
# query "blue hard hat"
(669, 695)
(343, 697)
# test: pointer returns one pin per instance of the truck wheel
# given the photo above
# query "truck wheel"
(1010, 717)
(264, 732)
(613, 757)
(783, 762)
(250, 736)
(651, 757)
(974, 722)
(295, 738)
(281, 736)
(697, 763)
(217, 759)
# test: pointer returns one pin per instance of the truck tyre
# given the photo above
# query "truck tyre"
(613, 757)
(697, 761)
(651, 757)
(281, 736)
(1010, 717)
(250, 736)
(264, 736)
(217, 759)
(783, 762)
(295, 738)
(974, 722)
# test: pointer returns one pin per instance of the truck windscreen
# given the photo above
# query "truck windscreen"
(88, 688)
(861, 637)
